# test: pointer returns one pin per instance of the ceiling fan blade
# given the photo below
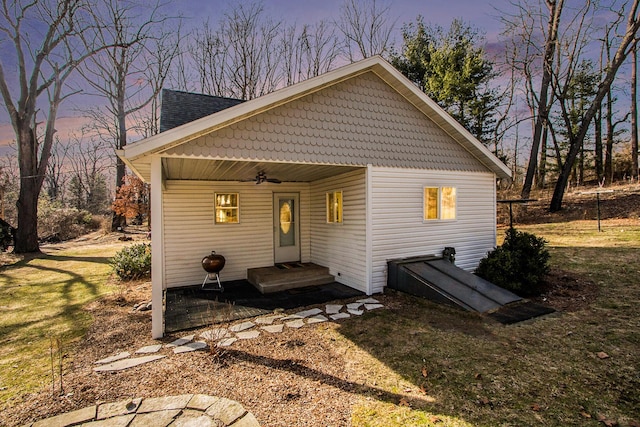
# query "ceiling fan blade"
(274, 180)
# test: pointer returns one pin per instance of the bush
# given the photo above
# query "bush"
(58, 224)
(519, 265)
(133, 262)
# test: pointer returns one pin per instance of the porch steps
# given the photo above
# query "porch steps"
(286, 276)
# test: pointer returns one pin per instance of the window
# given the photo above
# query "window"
(227, 208)
(439, 203)
(334, 207)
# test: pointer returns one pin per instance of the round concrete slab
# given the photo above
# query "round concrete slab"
(182, 410)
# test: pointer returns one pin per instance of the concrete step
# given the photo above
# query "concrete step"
(297, 275)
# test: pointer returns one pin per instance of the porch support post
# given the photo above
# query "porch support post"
(157, 249)
(368, 229)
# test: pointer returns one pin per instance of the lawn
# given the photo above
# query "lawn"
(413, 363)
(448, 368)
(42, 302)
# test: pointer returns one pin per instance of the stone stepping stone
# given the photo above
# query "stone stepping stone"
(124, 407)
(158, 418)
(373, 306)
(307, 313)
(227, 342)
(192, 346)
(354, 306)
(340, 316)
(248, 335)
(119, 365)
(368, 301)
(228, 411)
(295, 324)
(181, 341)
(149, 349)
(268, 320)
(115, 358)
(201, 402)
(333, 308)
(215, 334)
(166, 403)
(355, 312)
(242, 326)
(274, 329)
(316, 319)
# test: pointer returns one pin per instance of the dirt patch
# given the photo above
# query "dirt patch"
(294, 378)
(623, 201)
(568, 292)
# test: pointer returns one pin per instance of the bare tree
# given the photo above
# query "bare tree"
(366, 27)
(625, 44)
(140, 52)
(89, 163)
(522, 24)
(634, 113)
(309, 52)
(56, 178)
(239, 57)
(48, 39)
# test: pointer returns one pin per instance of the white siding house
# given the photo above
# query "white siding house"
(362, 131)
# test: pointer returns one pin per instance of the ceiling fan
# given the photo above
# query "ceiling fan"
(262, 177)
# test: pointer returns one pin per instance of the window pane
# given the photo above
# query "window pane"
(431, 203)
(226, 208)
(338, 206)
(334, 206)
(448, 203)
(287, 223)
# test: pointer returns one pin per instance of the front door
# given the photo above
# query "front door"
(286, 226)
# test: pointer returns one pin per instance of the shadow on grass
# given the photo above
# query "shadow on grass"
(59, 293)
(297, 367)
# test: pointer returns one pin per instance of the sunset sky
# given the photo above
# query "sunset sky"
(480, 14)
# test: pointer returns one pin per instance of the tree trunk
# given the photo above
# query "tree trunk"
(555, 9)
(608, 149)
(597, 123)
(542, 168)
(119, 221)
(634, 114)
(26, 238)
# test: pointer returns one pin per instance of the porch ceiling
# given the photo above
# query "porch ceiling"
(228, 170)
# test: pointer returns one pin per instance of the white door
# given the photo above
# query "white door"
(286, 226)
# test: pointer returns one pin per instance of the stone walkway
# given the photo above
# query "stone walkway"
(195, 409)
(246, 330)
(180, 411)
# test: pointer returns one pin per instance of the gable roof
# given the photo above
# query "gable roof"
(178, 108)
(138, 155)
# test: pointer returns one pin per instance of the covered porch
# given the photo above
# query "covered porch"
(190, 230)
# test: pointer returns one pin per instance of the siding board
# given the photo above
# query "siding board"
(190, 232)
(398, 228)
(341, 247)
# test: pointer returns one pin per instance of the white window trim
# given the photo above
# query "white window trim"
(439, 218)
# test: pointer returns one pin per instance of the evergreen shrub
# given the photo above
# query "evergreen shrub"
(133, 262)
(518, 265)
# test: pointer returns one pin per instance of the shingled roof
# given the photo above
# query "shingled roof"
(178, 108)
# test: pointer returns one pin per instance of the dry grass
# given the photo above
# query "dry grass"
(413, 363)
(43, 300)
(460, 370)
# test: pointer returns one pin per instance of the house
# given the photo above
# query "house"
(370, 169)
